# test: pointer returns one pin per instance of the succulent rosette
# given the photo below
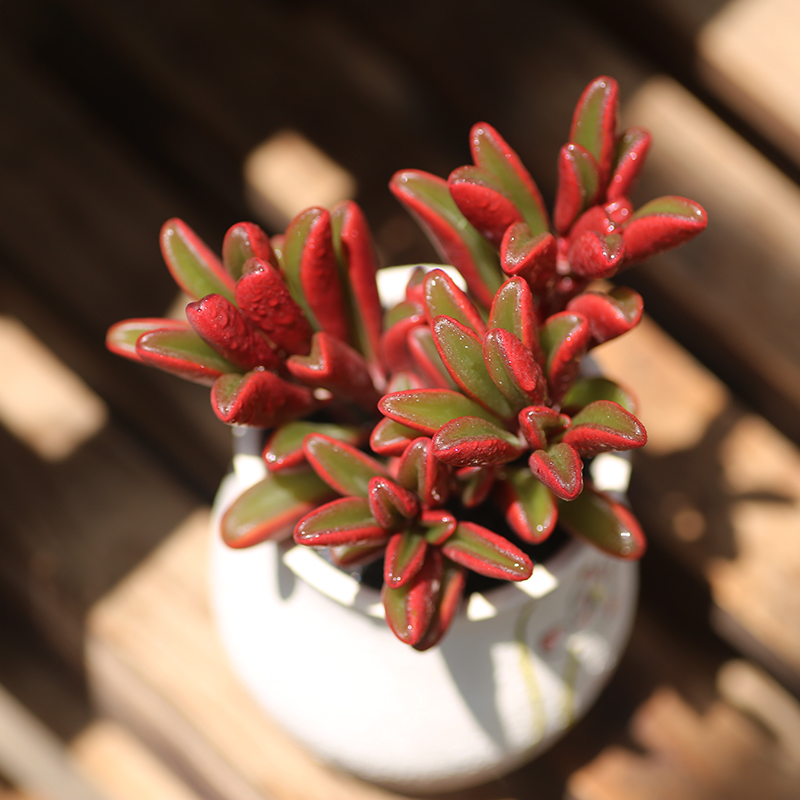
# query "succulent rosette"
(449, 434)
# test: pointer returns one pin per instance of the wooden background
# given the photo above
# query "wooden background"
(116, 116)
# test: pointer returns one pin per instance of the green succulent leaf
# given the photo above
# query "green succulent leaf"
(588, 390)
(469, 441)
(486, 553)
(595, 121)
(342, 466)
(242, 242)
(405, 555)
(444, 298)
(122, 336)
(284, 449)
(530, 507)
(344, 521)
(603, 426)
(427, 410)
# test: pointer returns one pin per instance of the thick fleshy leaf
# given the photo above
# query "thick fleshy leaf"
(334, 365)
(182, 352)
(226, 329)
(530, 507)
(593, 255)
(429, 363)
(564, 338)
(483, 200)
(353, 555)
(578, 185)
(541, 424)
(264, 297)
(355, 252)
(421, 472)
(260, 399)
(192, 264)
(284, 448)
(492, 153)
(602, 426)
(410, 608)
(437, 524)
(530, 257)
(475, 484)
(454, 578)
(244, 241)
(662, 224)
(444, 298)
(405, 555)
(513, 310)
(344, 521)
(610, 314)
(462, 354)
(272, 507)
(391, 504)
(390, 438)
(342, 466)
(427, 198)
(587, 390)
(594, 123)
(560, 469)
(122, 336)
(312, 274)
(472, 442)
(486, 553)
(426, 410)
(605, 523)
(513, 369)
(630, 155)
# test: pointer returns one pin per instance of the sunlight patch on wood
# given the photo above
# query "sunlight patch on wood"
(42, 402)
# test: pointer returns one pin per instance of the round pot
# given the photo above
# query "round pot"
(517, 668)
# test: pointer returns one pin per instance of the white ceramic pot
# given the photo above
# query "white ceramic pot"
(516, 669)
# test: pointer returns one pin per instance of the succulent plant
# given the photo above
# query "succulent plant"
(404, 434)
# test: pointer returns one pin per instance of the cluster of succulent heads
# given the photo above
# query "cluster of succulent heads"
(402, 434)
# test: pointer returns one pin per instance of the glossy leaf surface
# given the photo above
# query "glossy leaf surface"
(603, 426)
(578, 185)
(513, 369)
(564, 338)
(443, 298)
(342, 466)
(594, 123)
(530, 507)
(469, 441)
(513, 310)
(630, 155)
(344, 521)
(662, 224)
(284, 448)
(244, 241)
(610, 314)
(122, 336)
(426, 410)
(421, 472)
(390, 438)
(391, 504)
(486, 553)
(593, 255)
(587, 390)
(405, 555)
(453, 580)
(560, 469)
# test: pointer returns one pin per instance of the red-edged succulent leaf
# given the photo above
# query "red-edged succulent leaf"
(390, 438)
(530, 257)
(608, 525)
(610, 314)
(122, 336)
(481, 198)
(564, 337)
(486, 553)
(631, 152)
(454, 578)
(391, 504)
(578, 185)
(334, 365)
(437, 524)
(260, 399)
(541, 424)
(244, 241)
(410, 608)
(530, 507)
(593, 255)
(662, 224)
(461, 352)
(426, 410)
(587, 390)
(472, 442)
(355, 251)
(192, 264)
(284, 448)
(394, 342)
(344, 521)
(513, 369)
(226, 329)
(513, 310)
(428, 199)
(343, 467)
(182, 352)
(602, 426)
(492, 153)
(429, 363)
(353, 555)
(444, 298)
(405, 555)
(421, 472)
(594, 123)
(560, 469)
(272, 507)
(475, 484)
(312, 274)
(264, 297)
